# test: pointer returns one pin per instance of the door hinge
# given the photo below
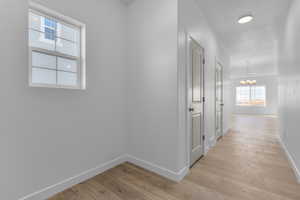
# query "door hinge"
(203, 61)
(203, 137)
(203, 99)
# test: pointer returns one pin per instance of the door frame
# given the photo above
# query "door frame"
(218, 62)
(189, 39)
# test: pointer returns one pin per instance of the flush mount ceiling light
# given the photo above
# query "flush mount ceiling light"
(245, 19)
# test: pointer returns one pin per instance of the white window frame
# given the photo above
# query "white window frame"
(250, 97)
(81, 59)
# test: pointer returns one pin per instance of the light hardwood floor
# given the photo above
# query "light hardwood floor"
(246, 164)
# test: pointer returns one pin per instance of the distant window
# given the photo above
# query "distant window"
(56, 53)
(251, 96)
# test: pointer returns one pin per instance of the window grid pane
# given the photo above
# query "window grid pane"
(44, 34)
(59, 38)
(251, 96)
(68, 33)
(43, 76)
(43, 60)
(60, 65)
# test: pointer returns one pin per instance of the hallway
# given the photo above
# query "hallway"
(248, 163)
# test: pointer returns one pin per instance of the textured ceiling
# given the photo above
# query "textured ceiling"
(251, 45)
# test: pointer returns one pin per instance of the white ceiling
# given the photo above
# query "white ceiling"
(127, 2)
(252, 47)
(253, 44)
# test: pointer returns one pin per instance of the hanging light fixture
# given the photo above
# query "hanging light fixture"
(248, 82)
(243, 82)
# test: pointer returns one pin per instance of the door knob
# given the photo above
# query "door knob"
(191, 109)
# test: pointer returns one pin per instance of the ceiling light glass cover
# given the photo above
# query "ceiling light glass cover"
(245, 19)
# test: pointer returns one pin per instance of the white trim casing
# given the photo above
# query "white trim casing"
(81, 60)
(291, 160)
(55, 14)
(174, 176)
(218, 62)
(188, 41)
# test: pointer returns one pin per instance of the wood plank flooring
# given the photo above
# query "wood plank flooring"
(246, 164)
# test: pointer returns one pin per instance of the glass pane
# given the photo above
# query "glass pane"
(39, 40)
(68, 33)
(66, 64)
(50, 23)
(35, 22)
(258, 95)
(43, 76)
(243, 96)
(49, 33)
(50, 29)
(67, 78)
(66, 47)
(43, 60)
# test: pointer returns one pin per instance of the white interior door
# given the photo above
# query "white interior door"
(219, 100)
(195, 98)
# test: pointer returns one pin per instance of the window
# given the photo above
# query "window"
(57, 57)
(251, 96)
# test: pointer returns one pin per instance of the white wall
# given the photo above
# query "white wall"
(48, 135)
(224, 59)
(193, 22)
(289, 82)
(157, 80)
(271, 83)
(134, 92)
(152, 82)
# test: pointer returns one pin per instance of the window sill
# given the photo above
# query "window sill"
(255, 106)
(33, 85)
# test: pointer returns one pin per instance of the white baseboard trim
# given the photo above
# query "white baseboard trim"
(226, 131)
(63, 185)
(206, 145)
(291, 160)
(68, 183)
(175, 176)
(206, 149)
(212, 141)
